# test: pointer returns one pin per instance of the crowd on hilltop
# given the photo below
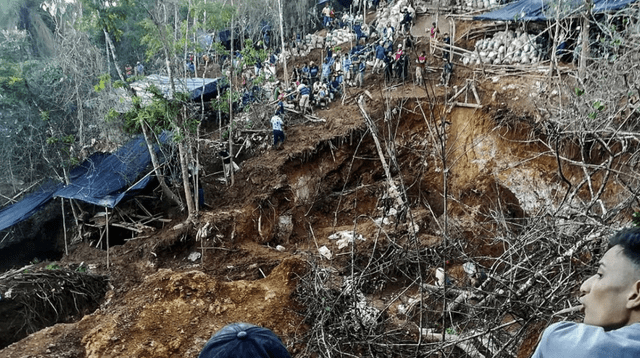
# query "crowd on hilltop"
(378, 50)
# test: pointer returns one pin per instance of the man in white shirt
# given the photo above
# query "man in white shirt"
(278, 134)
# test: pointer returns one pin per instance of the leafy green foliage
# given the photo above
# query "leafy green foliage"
(102, 84)
(52, 266)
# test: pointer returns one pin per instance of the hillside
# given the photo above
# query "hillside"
(472, 190)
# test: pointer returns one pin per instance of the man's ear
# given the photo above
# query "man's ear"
(633, 300)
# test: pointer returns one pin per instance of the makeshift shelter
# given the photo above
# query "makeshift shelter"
(196, 87)
(105, 179)
(540, 10)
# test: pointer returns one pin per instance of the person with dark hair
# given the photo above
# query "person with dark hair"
(278, 134)
(326, 15)
(447, 70)
(611, 305)
(313, 72)
(407, 21)
(244, 340)
(447, 47)
(421, 62)
(305, 72)
(379, 62)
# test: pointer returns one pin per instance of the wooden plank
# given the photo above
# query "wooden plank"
(468, 105)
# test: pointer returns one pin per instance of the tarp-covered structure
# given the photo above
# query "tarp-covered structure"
(104, 179)
(194, 86)
(539, 10)
(28, 206)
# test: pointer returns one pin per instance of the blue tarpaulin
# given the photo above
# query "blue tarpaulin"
(28, 206)
(106, 179)
(538, 10)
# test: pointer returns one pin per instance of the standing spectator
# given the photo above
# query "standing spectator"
(139, 69)
(306, 74)
(326, 15)
(313, 72)
(128, 71)
(361, 68)
(326, 69)
(447, 42)
(420, 64)
(447, 70)
(296, 75)
(388, 33)
(433, 37)
(396, 59)
(273, 60)
(278, 134)
(346, 67)
(379, 63)
(388, 67)
(407, 19)
(303, 96)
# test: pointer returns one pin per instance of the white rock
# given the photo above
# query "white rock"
(280, 248)
(325, 252)
(194, 256)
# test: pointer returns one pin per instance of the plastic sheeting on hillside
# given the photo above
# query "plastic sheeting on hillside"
(536, 10)
(29, 205)
(194, 86)
(106, 179)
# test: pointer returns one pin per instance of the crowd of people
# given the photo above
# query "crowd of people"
(380, 49)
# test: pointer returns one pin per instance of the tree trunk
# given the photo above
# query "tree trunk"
(113, 54)
(585, 41)
(185, 181)
(156, 167)
(284, 58)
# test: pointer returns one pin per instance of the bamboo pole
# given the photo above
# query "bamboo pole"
(64, 227)
(106, 212)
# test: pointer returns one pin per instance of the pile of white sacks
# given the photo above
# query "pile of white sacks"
(506, 48)
(481, 4)
(335, 37)
(393, 15)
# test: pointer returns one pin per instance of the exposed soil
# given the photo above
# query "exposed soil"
(328, 178)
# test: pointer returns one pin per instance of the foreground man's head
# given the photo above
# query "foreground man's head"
(611, 297)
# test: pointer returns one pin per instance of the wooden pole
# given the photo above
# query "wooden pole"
(284, 58)
(106, 212)
(64, 227)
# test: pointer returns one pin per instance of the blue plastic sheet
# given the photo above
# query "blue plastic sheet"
(538, 10)
(106, 179)
(28, 206)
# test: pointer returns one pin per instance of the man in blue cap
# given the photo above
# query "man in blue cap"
(244, 340)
